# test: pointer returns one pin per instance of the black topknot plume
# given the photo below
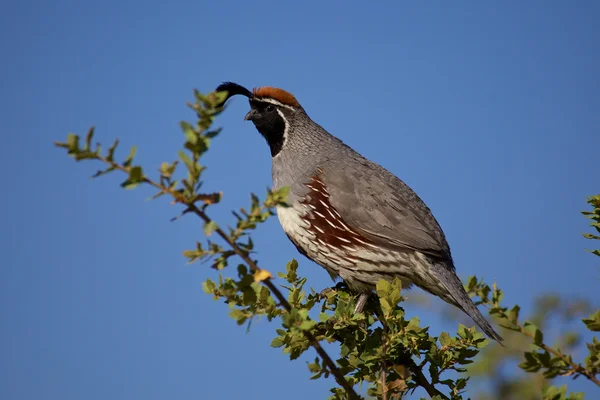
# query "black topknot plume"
(233, 89)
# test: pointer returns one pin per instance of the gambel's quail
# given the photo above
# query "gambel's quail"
(349, 215)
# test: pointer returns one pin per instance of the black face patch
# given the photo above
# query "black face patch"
(269, 123)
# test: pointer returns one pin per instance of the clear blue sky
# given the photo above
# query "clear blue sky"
(490, 112)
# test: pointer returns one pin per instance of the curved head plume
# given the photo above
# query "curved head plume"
(266, 93)
(233, 89)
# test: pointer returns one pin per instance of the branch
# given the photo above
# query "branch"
(421, 379)
(417, 371)
(191, 207)
(575, 367)
(339, 377)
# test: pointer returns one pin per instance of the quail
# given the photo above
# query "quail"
(348, 214)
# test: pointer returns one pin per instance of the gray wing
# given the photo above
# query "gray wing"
(384, 209)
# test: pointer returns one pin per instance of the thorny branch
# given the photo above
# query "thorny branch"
(191, 207)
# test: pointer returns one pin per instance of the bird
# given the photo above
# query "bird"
(348, 214)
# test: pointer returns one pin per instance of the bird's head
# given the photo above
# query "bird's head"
(271, 111)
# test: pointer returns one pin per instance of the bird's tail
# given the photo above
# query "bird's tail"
(461, 299)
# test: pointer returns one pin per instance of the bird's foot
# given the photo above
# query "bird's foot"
(339, 286)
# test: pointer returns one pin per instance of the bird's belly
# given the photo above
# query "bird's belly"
(360, 267)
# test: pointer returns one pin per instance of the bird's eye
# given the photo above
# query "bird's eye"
(270, 108)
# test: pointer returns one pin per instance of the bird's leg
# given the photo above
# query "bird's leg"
(360, 304)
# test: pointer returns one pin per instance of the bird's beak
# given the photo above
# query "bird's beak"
(252, 115)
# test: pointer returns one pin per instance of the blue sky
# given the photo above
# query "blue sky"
(489, 111)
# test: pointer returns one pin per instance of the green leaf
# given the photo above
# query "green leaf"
(382, 288)
(210, 227)
(85, 155)
(445, 339)
(324, 317)
(213, 133)
(277, 342)
(531, 363)
(534, 331)
(513, 315)
(249, 296)
(190, 134)
(88, 139)
(291, 268)
(462, 331)
(281, 195)
(186, 160)
(307, 325)
(209, 286)
(471, 283)
(103, 172)
(593, 322)
(129, 158)
(219, 97)
(238, 315)
(135, 177)
(73, 143)
(111, 150)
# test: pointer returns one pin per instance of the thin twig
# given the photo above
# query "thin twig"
(421, 379)
(335, 371)
(384, 393)
(417, 371)
(339, 377)
(577, 368)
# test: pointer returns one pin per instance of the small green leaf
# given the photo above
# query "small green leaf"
(88, 139)
(531, 363)
(463, 331)
(135, 177)
(382, 288)
(291, 268)
(111, 150)
(213, 133)
(190, 135)
(238, 315)
(277, 342)
(324, 317)
(513, 315)
(534, 331)
(73, 143)
(445, 339)
(218, 98)
(186, 160)
(307, 325)
(281, 195)
(129, 158)
(210, 227)
(593, 322)
(249, 296)
(209, 286)
(471, 283)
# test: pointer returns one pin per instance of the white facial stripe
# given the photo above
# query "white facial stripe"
(285, 131)
(275, 102)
